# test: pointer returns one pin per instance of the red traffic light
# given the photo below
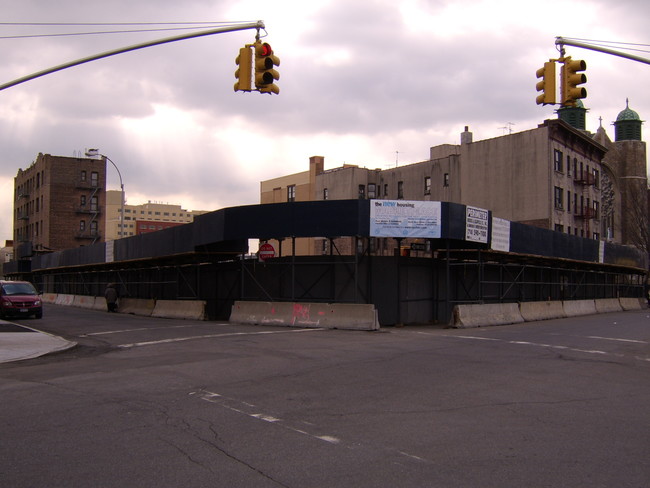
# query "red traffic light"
(266, 49)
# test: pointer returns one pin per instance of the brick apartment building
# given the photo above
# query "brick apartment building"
(58, 204)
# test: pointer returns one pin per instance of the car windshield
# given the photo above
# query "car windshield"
(18, 289)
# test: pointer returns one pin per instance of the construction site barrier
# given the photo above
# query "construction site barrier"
(351, 316)
(84, 301)
(532, 311)
(179, 309)
(49, 297)
(606, 305)
(575, 308)
(633, 303)
(63, 299)
(477, 315)
(135, 306)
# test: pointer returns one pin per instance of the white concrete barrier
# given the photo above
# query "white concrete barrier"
(607, 305)
(179, 309)
(633, 303)
(49, 297)
(532, 311)
(351, 316)
(63, 299)
(575, 308)
(83, 301)
(478, 315)
(135, 306)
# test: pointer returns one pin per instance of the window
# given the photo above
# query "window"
(82, 225)
(427, 185)
(93, 204)
(568, 201)
(400, 189)
(596, 210)
(568, 165)
(291, 193)
(94, 178)
(385, 190)
(445, 179)
(372, 190)
(93, 227)
(559, 228)
(557, 160)
(83, 176)
(362, 192)
(596, 178)
(559, 198)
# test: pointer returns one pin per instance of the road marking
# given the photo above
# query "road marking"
(141, 328)
(212, 336)
(550, 346)
(238, 407)
(617, 339)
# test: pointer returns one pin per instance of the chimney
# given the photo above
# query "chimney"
(466, 137)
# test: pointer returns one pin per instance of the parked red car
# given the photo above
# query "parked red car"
(19, 299)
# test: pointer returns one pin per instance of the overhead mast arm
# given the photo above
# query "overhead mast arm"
(255, 25)
(561, 41)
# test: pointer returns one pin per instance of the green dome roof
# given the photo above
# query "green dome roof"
(627, 114)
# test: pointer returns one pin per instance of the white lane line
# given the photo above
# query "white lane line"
(226, 402)
(549, 346)
(617, 339)
(122, 331)
(211, 336)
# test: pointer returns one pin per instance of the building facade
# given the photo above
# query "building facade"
(144, 218)
(58, 204)
(550, 177)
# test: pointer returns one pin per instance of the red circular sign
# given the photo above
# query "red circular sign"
(267, 251)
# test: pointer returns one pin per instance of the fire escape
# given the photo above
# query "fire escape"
(586, 210)
(90, 207)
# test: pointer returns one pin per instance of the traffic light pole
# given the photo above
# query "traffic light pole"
(561, 41)
(255, 25)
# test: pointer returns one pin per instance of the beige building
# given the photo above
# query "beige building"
(298, 187)
(150, 212)
(550, 177)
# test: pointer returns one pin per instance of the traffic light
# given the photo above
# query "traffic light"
(571, 79)
(244, 71)
(265, 74)
(547, 84)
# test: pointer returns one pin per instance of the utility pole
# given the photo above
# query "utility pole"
(254, 25)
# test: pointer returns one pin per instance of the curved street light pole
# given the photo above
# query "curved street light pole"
(95, 152)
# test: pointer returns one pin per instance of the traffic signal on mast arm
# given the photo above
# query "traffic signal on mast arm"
(571, 79)
(265, 74)
(547, 84)
(244, 73)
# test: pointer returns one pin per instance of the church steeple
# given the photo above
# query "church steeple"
(628, 124)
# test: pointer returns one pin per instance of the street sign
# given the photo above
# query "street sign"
(266, 251)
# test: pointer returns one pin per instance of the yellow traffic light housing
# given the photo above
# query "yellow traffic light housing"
(265, 74)
(547, 84)
(244, 73)
(571, 78)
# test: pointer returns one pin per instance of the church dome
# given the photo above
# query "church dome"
(627, 113)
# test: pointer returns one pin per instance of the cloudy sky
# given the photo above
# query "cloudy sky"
(367, 82)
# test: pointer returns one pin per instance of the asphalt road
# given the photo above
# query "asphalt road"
(145, 402)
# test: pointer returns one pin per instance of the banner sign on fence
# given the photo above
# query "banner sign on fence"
(500, 235)
(476, 225)
(404, 218)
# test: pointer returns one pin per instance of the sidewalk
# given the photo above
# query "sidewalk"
(19, 342)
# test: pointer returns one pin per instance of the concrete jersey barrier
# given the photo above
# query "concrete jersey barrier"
(574, 308)
(179, 309)
(633, 303)
(607, 305)
(532, 311)
(478, 315)
(351, 316)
